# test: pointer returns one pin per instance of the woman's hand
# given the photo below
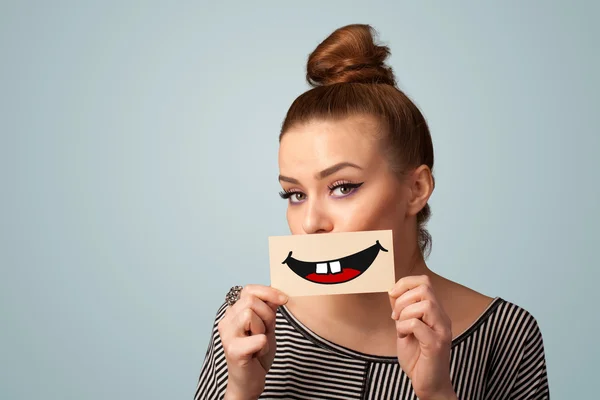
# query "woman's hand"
(248, 336)
(424, 337)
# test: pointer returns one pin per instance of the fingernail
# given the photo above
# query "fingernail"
(283, 298)
(392, 291)
(393, 314)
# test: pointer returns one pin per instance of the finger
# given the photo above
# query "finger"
(429, 341)
(264, 312)
(230, 325)
(407, 283)
(264, 350)
(428, 312)
(272, 306)
(416, 327)
(419, 293)
(267, 294)
(242, 349)
(249, 323)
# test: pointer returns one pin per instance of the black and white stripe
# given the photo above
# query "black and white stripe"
(501, 356)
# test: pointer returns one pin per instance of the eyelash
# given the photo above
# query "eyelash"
(347, 184)
(286, 194)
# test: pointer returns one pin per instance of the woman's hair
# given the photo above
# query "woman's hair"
(350, 78)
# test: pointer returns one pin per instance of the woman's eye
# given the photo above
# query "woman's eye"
(297, 197)
(343, 190)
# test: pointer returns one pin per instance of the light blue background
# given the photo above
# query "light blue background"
(138, 165)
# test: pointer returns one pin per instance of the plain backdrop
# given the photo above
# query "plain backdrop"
(138, 173)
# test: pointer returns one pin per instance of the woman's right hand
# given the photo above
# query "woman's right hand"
(248, 336)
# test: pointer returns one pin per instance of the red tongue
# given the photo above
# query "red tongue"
(345, 275)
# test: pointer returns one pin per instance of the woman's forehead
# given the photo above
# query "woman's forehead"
(319, 144)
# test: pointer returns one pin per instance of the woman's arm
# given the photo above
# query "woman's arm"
(518, 370)
(212, 381)
(531, 380)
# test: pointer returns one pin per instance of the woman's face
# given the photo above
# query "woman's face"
(336, 179)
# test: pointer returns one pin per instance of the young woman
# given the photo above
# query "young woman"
(356, 154)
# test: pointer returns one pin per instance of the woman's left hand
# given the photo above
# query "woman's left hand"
(424, 337)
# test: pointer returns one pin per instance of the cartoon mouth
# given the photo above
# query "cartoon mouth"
(335, 271)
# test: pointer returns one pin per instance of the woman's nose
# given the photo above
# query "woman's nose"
(316, 220)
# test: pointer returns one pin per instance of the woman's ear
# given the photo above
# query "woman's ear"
(421, 186)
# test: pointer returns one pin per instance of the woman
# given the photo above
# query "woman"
(355, 155)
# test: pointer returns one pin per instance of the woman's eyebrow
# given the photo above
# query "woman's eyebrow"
(323, 174)
(335, 168)
(288, 179)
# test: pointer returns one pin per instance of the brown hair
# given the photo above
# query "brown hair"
(349, 77)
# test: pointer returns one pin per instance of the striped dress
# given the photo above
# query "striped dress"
(501, 356)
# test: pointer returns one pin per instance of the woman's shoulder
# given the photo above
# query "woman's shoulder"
(508, 329)
(499, 315)
(220, 312)
(471, 311)
(514, 320)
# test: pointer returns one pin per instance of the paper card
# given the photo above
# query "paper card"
(332, 263)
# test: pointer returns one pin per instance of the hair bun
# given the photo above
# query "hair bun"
(348, 55)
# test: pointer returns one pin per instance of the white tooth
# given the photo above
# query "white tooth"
(321, 268)
(335, 267)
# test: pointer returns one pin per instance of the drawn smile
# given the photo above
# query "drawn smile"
(335, 271)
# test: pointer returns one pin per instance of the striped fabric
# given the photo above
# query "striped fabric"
(501, 356)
